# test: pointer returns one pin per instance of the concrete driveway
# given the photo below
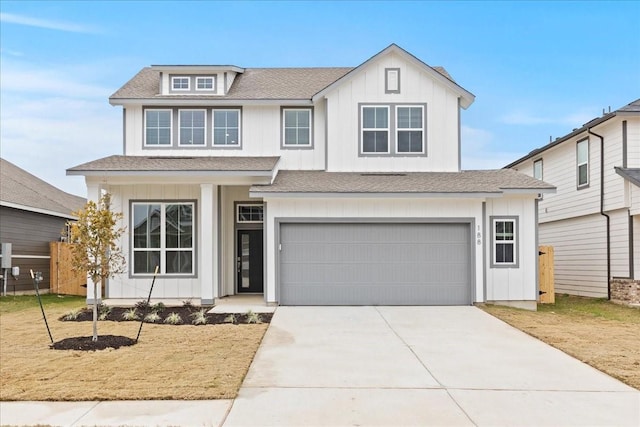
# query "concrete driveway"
(419, 366)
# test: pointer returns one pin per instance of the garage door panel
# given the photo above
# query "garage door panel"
(374, 264)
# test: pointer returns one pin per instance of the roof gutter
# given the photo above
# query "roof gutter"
(602, 210)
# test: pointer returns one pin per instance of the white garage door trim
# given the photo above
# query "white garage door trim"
(470, 222)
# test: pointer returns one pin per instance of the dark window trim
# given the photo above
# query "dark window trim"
(196, 218)
(393, 130)
(193, 85)
(310, 146)
(588, 183)
(516, 240)
(237, 146)
(179, 128)
(144, 129)
(386, 80)
(541, 169)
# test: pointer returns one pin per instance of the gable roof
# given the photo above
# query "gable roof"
(438, 73)
(22, 190)
(481, 183)
(633, 108)
(266, 83)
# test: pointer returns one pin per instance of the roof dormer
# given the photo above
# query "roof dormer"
(194, 80)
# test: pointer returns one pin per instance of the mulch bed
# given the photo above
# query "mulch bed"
(117, 314)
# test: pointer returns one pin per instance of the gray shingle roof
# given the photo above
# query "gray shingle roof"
(485, 181)
(254, 83)
(19, 187)
(175, 164)
(631, 174)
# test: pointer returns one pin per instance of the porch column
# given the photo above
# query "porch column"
(208, 237)
(94, 191)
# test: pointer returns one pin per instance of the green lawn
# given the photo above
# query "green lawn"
(12, 304)
(570, 305)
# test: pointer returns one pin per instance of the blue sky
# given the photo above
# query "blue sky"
(538, 69)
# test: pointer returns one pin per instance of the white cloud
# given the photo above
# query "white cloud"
(475, 139)
(11, 18)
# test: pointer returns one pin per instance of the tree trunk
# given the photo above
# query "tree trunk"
(95, 311)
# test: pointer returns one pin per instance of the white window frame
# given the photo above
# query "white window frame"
(203, 78)
(251, 205)
(584, 163)
(513, 242)
(536, 168)
(170, 111)
(163, 236)
(176, 78)
(363, 130)
(204, 142)
(399, 129)
(284, 128)
(213, 128)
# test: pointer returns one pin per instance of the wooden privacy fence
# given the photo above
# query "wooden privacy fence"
(63, 279)
(546, 275)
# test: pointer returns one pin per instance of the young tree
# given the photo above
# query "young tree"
(95, 249)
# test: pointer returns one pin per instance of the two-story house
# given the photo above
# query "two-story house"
(311, 186)
(593, 220)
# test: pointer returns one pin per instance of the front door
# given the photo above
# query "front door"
(249, 261)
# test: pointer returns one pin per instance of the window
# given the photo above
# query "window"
(537, 169)
(410, 129)
(163, 236)
(192, 127)
(204, 83)
(297, 127)
(180, 83)
(504, 242)
(226, 127)
(157, 127)
(250, 214)
(375, 129)
(583, 163)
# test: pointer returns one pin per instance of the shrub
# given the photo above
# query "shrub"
(73, 314)
(152, 317)
(187, 304)
(253, 317)
(103, 311)
(131, 314)
(158, 307)
(142, 305)
(199, 317)
(173, 319)
(232, 318)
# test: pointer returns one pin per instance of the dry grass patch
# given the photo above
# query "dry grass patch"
(600, 333)
(169, 362)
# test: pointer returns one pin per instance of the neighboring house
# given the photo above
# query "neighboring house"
(32, 214)
(337, 186)
(593, 220)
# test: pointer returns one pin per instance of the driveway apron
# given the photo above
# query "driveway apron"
(419, 366)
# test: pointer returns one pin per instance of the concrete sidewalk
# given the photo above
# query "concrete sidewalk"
(338, 366)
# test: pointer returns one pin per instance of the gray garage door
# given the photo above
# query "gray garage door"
(374, 264)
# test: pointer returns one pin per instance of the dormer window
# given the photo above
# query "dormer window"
(204, 83)
(180, 83)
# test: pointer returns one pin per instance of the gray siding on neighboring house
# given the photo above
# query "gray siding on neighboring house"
(30, 234)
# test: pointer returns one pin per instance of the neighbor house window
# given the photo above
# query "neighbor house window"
(180, 83)
(204, 83)
(192, 125)
(504, 232)
(375, 129)
(163, 236)
(157, 127)
(296, 124)
(410, 129)
(537, 169)
(583, 163)
(250, 214)
(226, 127)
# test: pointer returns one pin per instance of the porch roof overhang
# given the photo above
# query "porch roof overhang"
(180, 169)
(465, 184)
(630, 174)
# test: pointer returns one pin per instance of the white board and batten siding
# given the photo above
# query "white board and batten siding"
(123, 286)
(513, 284)
(416, 86)
(261, 135)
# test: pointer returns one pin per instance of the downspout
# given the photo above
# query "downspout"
(602, 211)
